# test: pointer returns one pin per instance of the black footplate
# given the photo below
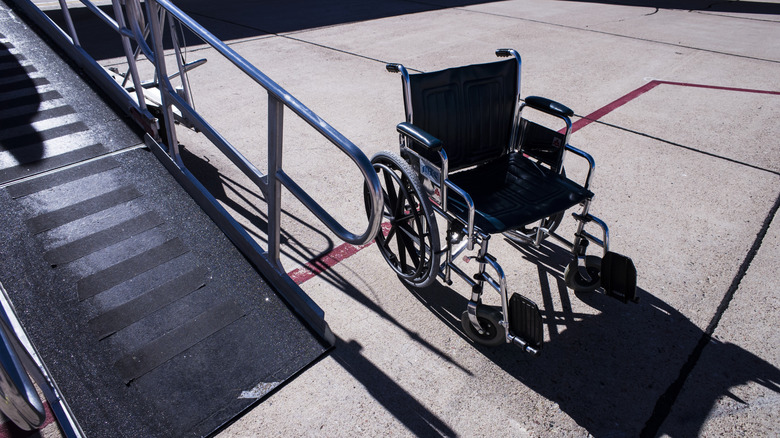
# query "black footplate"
(618, 277)
(525, 321)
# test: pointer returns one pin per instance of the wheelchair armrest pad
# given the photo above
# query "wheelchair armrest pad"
(423, 138)
(548, 106)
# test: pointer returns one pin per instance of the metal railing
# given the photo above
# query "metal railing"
(143, 26)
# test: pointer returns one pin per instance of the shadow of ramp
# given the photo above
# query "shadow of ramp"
(608, 370)
(397, 401)
(249, 204)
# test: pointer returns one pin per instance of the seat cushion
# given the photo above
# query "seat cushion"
(513, 191)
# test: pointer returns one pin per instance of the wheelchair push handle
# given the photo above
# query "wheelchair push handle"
(393, 68)
(504, 53)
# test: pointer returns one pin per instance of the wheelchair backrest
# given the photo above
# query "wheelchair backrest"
(470, 109)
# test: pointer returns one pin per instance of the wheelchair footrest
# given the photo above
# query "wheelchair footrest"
(618, 277)
(525, 323)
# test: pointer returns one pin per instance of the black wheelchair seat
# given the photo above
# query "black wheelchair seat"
(514, 191)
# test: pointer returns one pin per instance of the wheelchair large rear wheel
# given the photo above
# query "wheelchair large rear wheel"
(408, 237)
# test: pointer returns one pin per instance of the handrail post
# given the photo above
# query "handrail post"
(69, 23)
(120, 18)
(274, 189)
(152, 10)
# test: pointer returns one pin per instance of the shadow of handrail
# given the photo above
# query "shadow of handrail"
(19, 109)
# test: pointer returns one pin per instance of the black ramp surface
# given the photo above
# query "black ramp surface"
(159, 330)
(149, 319)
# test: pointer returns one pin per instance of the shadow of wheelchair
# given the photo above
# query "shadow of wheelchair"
(614, 371)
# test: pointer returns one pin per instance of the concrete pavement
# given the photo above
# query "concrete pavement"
(687, 178)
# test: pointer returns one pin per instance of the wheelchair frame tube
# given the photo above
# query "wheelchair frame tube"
(567, 133)
(589, 158)
(514, 137)
(446, 185)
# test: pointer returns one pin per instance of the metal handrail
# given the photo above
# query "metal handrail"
(277, 94)
(133, 23)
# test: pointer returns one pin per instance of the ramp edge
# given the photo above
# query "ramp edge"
(301, 303)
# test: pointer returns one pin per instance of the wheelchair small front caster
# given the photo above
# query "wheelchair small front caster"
(493, 333)
(577, 282)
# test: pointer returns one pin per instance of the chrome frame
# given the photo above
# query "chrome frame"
(20, 347)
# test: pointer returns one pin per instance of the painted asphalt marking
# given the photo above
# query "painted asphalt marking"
(606, 109)
(346, 250)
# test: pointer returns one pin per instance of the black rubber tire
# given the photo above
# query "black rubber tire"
(408, 237)
(489, 319)
(574, 279)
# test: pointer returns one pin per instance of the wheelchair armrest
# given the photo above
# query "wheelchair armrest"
(428, 141)
(548, 106)
(589, 158)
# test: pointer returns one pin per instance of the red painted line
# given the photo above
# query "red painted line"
(601, 112)
(9, 430)
(343, 251)
(322, 264)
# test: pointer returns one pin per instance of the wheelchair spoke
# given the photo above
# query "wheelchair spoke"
(410, 244)
(390, 191)
(401, 253)
(406, 240)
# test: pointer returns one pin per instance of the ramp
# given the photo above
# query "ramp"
(151, 322)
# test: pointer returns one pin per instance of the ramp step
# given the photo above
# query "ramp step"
(11, 58)
(102, 239)
(31, 114)
(22, 84)
(34, 185)
(98, 282)
(56, 218)
(30, 99)
(176, 341)
(115, 319)
(37, 137)
(31, 162)
(16, 69)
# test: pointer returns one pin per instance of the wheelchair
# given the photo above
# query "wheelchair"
(469, 155)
